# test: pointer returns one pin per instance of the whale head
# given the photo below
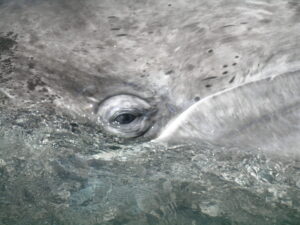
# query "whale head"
(134, 67)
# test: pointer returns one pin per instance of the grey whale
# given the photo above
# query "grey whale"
(82, 53)
(85, 86)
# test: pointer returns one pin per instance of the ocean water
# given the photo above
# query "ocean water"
(60, 171)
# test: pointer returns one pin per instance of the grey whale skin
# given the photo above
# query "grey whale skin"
(91, 90)
(169, 55)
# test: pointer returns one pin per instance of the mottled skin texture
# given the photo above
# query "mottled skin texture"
(170, 53)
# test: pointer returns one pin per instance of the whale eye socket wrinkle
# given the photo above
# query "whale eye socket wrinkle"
(125, 116)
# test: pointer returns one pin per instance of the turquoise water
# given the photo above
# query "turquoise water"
(57, 170)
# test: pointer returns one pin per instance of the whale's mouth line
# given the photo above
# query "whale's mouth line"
(181, 119)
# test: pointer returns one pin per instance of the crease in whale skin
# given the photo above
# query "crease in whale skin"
(262, 114)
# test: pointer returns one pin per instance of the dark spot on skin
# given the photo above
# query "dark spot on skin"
(169, 5)
(74, 127)
(208, 85)
(169, 72)
(269, 79)
(100, 69)
(41, 46)
(209, 78)
(6, 67)
(225, 72)
(112, 17)
(244, 23)
(234, 64)
(33, 83)
(232, 79)
(10, 33)
(210, 51)
(6, 43)
(115, 28)
(113, 147)
(34, 39)
(31, 65)
(150, 32)
(197, 98)
(49, 70)
(229, 25)
(121, 35)
(236, 57)
(6, 62)
(28, 196)
(293, 4)
(44, 89)
(265, 21)
(190, 67)
(224, 66)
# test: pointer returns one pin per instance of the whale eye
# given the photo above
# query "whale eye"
(126, 115)
(124, 118)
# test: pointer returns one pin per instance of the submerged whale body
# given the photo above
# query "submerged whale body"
(132, 66)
